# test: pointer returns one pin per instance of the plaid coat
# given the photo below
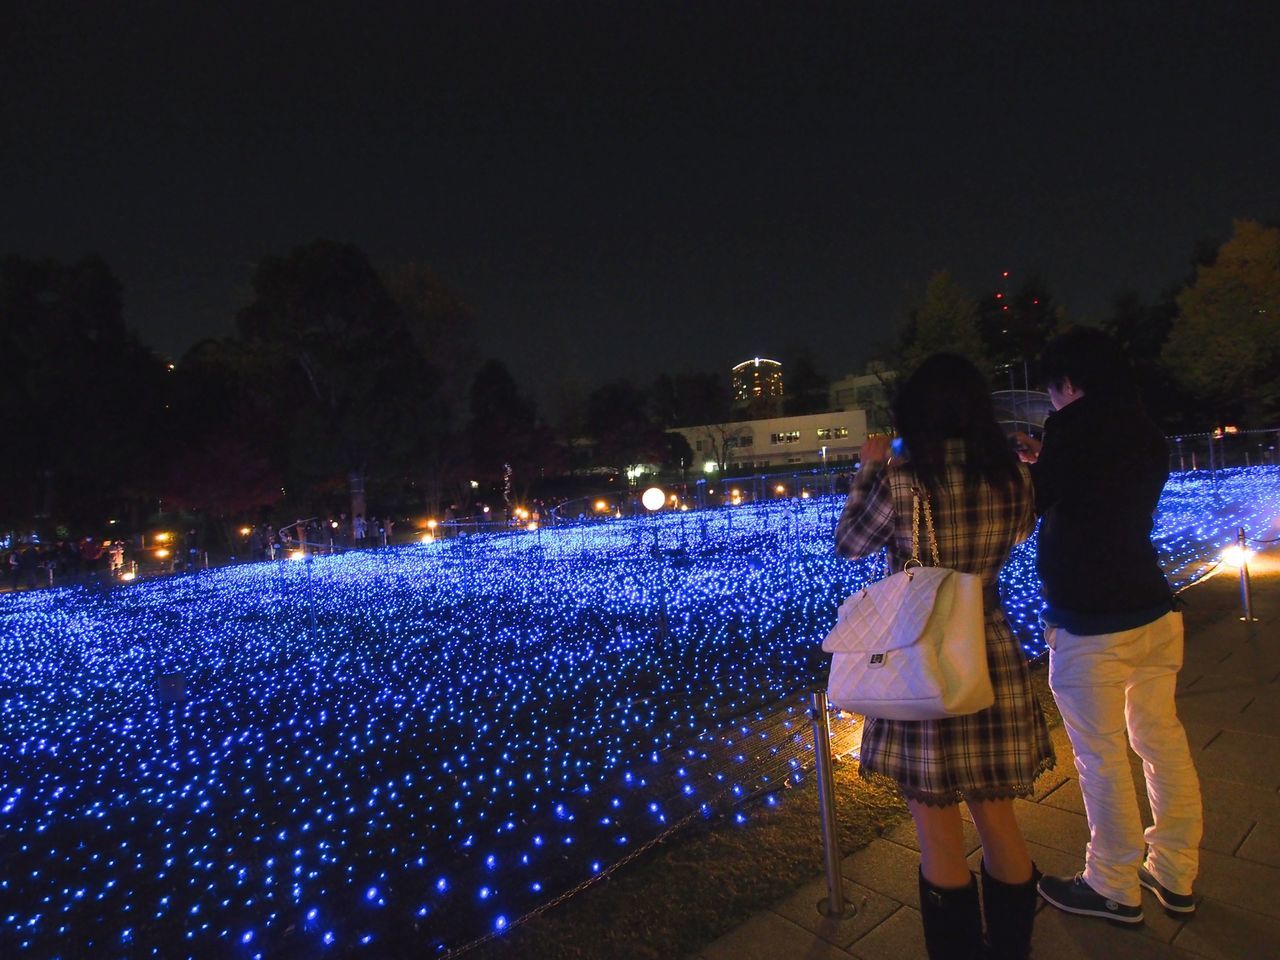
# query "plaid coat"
(998, 752)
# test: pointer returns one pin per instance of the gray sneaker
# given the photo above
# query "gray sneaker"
(1179, 903)
(1074, 895)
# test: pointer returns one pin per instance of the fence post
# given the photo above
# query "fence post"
(834, 905)
(1246, 590)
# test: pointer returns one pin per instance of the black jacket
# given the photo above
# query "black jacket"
(1098, 480)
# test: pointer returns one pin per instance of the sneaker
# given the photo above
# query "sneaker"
(1074, 895)
(1183, 903)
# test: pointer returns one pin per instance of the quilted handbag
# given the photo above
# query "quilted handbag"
(912, 646)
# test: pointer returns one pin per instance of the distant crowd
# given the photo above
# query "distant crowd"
(30, 565)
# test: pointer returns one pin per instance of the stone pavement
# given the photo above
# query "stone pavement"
(1229, 701)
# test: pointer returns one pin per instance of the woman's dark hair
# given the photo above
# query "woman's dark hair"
(947, 398)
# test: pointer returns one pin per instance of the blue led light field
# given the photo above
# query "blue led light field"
(401, 750)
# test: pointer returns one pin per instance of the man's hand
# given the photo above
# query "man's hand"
(1028, 447)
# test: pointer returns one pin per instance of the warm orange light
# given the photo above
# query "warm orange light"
(533, 525)
(601, 506)
(780, 489)
(432, 524)
(162, 553)
(163, 537)
(245, 531)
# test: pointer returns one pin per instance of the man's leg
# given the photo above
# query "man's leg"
(1088, 676)
(1158, 737)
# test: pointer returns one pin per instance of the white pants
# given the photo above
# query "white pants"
(1111, 686)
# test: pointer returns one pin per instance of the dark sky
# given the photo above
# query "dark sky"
(622, 188)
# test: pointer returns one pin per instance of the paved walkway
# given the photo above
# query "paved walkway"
(1229, 700)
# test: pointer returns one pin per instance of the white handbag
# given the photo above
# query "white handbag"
(912, 646)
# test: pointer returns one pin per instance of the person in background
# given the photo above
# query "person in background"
(982, 504)
(1115, 639)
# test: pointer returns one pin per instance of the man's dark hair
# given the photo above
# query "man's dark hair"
(948, 398)
(1093, 362)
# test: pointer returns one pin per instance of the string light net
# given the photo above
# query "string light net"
(404, 750)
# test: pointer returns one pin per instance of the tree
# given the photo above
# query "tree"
(343, 354)
(227, 452)
(85, 401)
(807, 390)
(1015, 325)
(1141, 330)
(715, 441)
(686, 399)
(947, 320)
(443, 330)
(504, 430)
(617, 419)
(1225, 341)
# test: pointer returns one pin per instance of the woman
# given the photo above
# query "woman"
(982, 504)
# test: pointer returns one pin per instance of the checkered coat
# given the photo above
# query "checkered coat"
(998, 752)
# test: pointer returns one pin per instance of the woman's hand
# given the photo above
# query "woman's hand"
(875, 450)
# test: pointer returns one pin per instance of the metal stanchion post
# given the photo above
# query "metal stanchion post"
(834, 905)
(1246, 591)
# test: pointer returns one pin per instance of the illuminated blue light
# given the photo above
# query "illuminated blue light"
(460, 705)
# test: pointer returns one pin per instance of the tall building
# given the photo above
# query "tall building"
(867, 391)
(757, 385)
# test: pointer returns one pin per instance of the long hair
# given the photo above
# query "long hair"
(947, 398)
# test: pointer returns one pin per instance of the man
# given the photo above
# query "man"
(1114, 637)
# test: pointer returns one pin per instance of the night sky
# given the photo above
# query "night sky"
(621, 189)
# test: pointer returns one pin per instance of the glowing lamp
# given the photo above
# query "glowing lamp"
(162, 553)
(601, 506)
(245, 531)
(710, 466)
(653, 498)
(1236, 556)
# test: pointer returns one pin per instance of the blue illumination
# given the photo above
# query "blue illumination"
(463, 716)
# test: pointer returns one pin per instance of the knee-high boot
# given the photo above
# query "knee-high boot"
(1010, 909)
(952, 921)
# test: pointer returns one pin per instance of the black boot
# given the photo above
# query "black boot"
(1010, 909)
(952, 921)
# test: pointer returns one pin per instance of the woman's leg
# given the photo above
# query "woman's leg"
(1008, 881)
(941, 839)
(1004, 851)
(948, 896)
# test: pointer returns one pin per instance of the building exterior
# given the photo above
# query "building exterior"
(865, 391)
(777, 441)
(757, 385)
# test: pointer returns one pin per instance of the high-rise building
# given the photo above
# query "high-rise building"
(757, 385)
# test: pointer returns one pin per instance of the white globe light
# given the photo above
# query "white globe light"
(653, 498)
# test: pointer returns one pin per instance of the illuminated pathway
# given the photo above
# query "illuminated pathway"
(408, 748)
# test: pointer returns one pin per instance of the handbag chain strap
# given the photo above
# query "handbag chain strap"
(915, 530)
